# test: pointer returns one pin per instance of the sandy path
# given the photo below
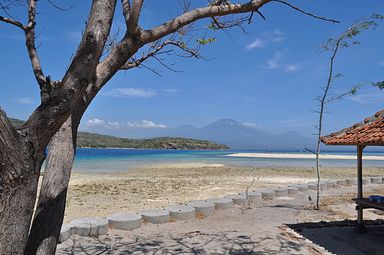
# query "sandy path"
(258, 230)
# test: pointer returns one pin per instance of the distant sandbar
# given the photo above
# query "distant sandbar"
(301, 156)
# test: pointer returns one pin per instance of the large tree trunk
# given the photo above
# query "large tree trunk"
(19, 172)
(51, 205)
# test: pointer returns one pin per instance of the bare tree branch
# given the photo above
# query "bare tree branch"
(305, 12)
(199, 13)
(134, 16)
(12, 22)
(31, 47)
(158, 49)
(126, 4)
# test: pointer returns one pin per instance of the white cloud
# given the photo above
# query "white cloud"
(374, 98)
(274, 36)
(145, 124)
(24, 100)
(257, 43)
(131, 92)
(274, 62)
(97, 123)
(268, 37)
(292, 68)
(250, 124)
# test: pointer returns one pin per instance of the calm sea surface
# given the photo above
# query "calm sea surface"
(118, 160)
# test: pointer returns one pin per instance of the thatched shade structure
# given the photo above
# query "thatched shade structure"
(369, 132)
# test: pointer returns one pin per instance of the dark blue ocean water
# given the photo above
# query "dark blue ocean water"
(118, 160)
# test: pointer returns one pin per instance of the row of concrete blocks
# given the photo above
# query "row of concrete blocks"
(191, 210)
(129, 221)
(294, 189)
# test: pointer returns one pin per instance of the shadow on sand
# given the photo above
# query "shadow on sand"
(229, 242)
(339, 237)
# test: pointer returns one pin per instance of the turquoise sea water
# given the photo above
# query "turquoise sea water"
(119, 160)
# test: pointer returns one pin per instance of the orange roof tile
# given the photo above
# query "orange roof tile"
(368, 132)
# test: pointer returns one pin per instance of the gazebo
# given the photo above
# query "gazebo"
(369, 132)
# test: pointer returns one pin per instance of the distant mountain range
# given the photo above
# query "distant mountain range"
(237, 135)
(241, 136)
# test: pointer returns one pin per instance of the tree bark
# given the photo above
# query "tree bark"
(49, 213)
(19, 172)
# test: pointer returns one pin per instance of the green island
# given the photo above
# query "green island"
(94, 140)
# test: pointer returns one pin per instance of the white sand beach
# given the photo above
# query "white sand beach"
(301, 156)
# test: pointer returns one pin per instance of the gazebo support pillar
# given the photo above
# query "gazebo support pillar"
(360, 228)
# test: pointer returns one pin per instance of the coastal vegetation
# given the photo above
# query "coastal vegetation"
(94, 140)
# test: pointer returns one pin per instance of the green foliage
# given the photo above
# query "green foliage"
(93, 140)
(379, 84)
(206, 41)
(346, 39)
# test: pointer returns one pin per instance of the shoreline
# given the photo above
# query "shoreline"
(101, 194)
(300, 156)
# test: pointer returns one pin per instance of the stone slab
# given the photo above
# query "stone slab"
(267, 194)
(292, 191)
(281, 192)
(221, 203)
(342, 182)
(203, 208)
(312, 185)
(238, 199)
(89, 226)
(352, 181)
(376, 180)
(252, 195)
(366, 181)
(65, 233)
(302, 187)
(125, 221)
(181, 212)
(156, 216)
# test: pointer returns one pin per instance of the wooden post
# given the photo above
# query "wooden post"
(360, 228)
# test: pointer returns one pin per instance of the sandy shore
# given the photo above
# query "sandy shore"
(157, 186)
(300, 156)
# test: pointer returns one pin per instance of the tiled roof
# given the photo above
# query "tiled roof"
(368, 132)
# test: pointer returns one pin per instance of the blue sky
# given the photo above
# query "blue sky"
(268, 77)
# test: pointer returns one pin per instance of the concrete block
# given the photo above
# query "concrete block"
(292, 191)
(65, 233)
(342, 182)
(221, 203)
(352, 181)
(267, 194)
(376, 180)
(281, 192)
(203, 208)
(125, 221)
(89, 226)
(238, 199)
(252, 195)
(366, 181)
(312, 185)
(181, 212)
(156, 216)
(302, 187)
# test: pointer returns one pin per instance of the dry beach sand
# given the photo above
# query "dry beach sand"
(259, 230)
(161, 185)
